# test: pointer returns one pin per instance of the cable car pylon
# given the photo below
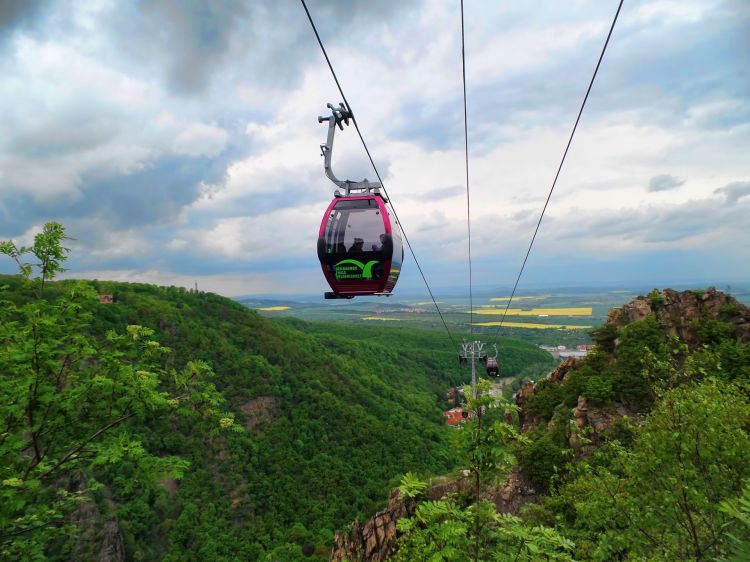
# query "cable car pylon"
(471, 352)
(474, 351)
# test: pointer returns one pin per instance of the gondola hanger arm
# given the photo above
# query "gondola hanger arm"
(339, 116)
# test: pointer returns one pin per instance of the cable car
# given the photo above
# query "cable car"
(492, 364)
(493, 367)
(359, 246)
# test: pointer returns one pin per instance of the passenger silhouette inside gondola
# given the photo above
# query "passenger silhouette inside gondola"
(383, 242)
(357, 246)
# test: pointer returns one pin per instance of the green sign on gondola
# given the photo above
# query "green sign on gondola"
(354, 269)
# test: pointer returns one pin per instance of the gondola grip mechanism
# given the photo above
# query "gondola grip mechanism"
(339, 116)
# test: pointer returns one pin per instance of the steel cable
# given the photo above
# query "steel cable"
(466, 158)
(377, 173)
(559, 168)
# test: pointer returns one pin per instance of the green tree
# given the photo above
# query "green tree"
(605, 337)
(661, 499)
(544, 456)
(739, 537)
(455, 529)
(68, 401)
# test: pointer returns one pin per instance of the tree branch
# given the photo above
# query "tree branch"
(68, 456)
(27, 530)
(624, 511)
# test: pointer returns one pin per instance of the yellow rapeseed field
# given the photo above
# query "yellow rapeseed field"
(380, 318)
(583, 311)
(273, 308)
(533, 326)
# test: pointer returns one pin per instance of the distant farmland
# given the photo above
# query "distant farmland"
(533, 326)
(583, 311)
(551, 318)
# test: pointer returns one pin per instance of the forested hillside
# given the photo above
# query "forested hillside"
(241, 439)
(644, 447)
(640, 451)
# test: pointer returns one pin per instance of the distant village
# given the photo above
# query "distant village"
(562, 352)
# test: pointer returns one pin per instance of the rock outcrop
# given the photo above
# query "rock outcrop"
(377, 539)
(99, 538)
(678, 311)
(112, 544)
(513, 494)
(559, 375)
(591, 423)
(258, 411)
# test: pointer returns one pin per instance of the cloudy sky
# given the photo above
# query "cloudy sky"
(177, 140)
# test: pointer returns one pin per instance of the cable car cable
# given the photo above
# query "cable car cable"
(361, 138)
(466, 157)
(559, 168)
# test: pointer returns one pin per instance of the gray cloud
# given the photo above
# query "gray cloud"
(191, 43)
(285, 194)
(658, 77)
(434, 126)
(664, 182)
(734, 191)
(653, 224)
(17, 13)
(70, 130)
(154, 194)
(187, 40)
(435, 221)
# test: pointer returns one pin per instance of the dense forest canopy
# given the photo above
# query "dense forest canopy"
(185, 426)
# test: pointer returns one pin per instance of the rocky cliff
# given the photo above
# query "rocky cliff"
(678, 311)
(100, 537)
(377, 539)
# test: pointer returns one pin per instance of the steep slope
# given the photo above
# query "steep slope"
(639, 451)
(640, 443)
(336, 421)
(330, 419)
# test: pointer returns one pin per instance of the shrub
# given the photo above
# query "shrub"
(542, 458)
(657, 300)
(542, 404)
(712, 331)
(729, 310)
(605, 337)
(599, 390)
